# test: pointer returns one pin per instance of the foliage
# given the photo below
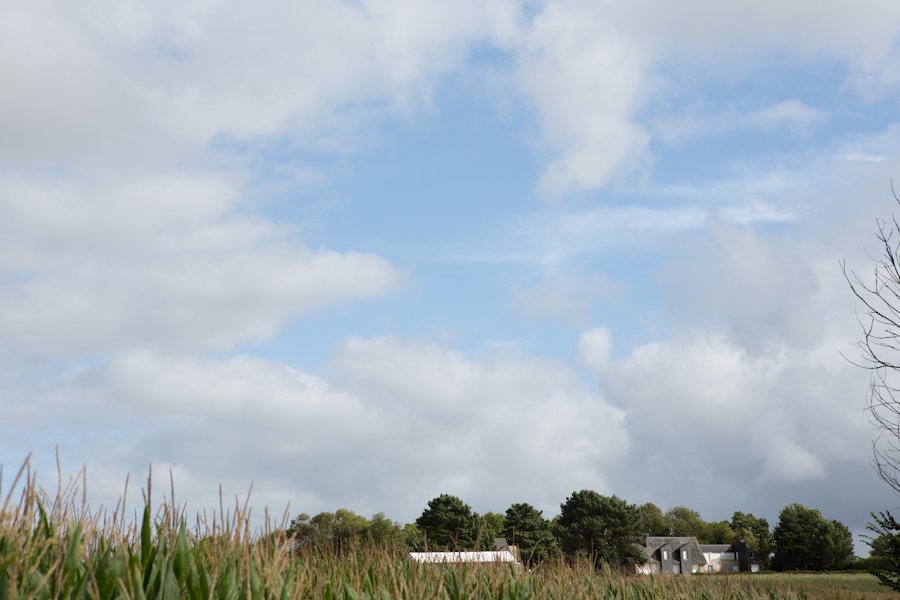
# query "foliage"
(684, 522)
(449, 523)
(654, 523)
(530, 532)
(886, 548)
(719, 532)
(605, 527)
(344, 529)
(805, 540)
(754, 531)
(413, 537)
(492, 526)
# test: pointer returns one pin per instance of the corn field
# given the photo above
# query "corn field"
(52, 549)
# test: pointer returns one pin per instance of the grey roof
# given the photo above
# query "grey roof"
(655, 543)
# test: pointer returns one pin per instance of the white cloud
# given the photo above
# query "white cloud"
(404, 422)
(862, 34)
(127, 80)
(136, 83)
(88, 267)
(585, 78)
(759, 289)
(591, 68)
(594, 349)
(734, 419)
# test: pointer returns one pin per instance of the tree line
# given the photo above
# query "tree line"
(606, 528)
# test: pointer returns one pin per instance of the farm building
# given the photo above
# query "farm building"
(502, 553)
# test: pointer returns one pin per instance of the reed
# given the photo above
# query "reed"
(53, 547)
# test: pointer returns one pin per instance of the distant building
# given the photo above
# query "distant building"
(502, 553)
(685, 555)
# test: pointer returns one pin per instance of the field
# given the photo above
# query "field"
(52, 549)
(829, 585)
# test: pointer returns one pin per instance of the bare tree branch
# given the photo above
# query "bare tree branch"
(880, 346)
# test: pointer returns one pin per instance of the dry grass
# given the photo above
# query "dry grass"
(53, 548)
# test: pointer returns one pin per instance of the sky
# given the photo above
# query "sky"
(358, 254)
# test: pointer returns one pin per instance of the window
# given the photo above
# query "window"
(734, 568)
(709, 569)
(752, 555)
(684, 555)
(665, 554)
(728, 556)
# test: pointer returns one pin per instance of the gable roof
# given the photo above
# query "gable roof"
(654, 543)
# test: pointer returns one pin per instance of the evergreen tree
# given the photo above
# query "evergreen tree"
(886, 548)
(530, 532)
(606, 527)
(449, 523)
(804, 539)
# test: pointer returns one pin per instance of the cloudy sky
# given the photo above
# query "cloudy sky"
(361, 253)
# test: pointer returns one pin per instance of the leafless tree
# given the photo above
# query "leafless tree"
(880, 346)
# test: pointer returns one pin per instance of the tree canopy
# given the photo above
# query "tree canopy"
(449, 523)
(754, 531)
(886, 548)
(685, 522)
(492, 525)
(804, 539)
(342, 529)
(530, 532)
(605, 527)
(653, 521)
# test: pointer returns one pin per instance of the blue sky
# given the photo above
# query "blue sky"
(362, 254)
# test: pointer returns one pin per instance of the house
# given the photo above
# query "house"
(503, 553)
(722, 558)
(685, 555)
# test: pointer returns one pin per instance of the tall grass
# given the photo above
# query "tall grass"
(54, 548)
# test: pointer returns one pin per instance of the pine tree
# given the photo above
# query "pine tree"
(530, 532)
(605, 527)
(449, 523)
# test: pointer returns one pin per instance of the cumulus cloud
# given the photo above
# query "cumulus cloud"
(585, 78)
(94, 266)
(128, 82)
(405, 421)
(591, 68)
(714, 419)
(759, 289)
